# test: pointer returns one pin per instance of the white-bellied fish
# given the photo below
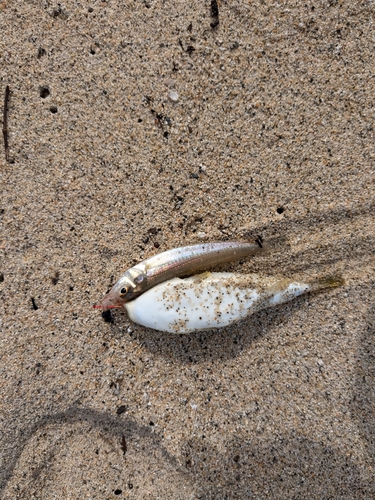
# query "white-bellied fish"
(215, 300)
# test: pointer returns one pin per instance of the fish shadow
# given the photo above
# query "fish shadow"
(326, 252)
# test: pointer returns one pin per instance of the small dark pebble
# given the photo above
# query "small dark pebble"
(190, 49)
(35, 307)
(194, 176)
(44, 92)
(41, 52)
(156, 244)
(118, 492)
(57, 12)
(121, 409)
(280, 210)
(55, 278)
(53, 109)
(107, 316)
(130, 486)
(1, 277)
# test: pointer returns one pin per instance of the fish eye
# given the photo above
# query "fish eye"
(124, 290)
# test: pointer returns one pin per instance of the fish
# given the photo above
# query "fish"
(215, 300)
(178, 262)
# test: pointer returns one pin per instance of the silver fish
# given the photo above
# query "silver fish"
(176, 263)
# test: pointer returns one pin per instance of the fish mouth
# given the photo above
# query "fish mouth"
(105, 308)
(109, 302)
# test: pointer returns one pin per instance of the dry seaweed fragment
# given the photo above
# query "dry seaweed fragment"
(124, 446)
(214, 14)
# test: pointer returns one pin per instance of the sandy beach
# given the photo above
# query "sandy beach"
(139, 126)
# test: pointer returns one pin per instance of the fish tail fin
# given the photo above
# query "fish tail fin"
(327, 282)
(277, 243)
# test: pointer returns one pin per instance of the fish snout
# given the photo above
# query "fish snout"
(110, 302)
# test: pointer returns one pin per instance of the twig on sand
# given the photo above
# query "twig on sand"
(5, 123)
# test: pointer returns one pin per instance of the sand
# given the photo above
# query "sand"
(272, 133)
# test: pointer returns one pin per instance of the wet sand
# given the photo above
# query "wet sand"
(272, 134)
